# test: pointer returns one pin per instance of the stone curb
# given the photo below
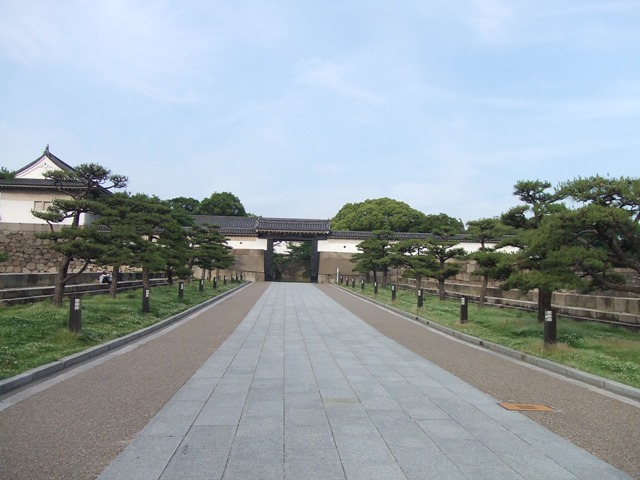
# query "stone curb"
(588, 378)
(71, 360)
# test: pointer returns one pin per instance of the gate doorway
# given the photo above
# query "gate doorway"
(299, 260)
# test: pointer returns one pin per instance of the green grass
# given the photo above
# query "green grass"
(605, 350)
(36, 334)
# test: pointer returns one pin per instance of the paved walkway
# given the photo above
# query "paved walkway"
(304, 389)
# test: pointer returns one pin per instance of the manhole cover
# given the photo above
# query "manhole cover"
(526, 407)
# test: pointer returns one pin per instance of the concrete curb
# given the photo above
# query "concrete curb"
(590, 379)
(43, 371)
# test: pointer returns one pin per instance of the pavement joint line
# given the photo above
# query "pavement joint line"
(624, 392)
(65, 363)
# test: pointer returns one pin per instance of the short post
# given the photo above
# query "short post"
(201, 286)
(464, 309)
(420, 299)
(224, 279)
(550, 337)
(346, 279)
(353, 283)
(181, 290)
(236, 277)
(146, 292)
(362, 285)
(375, 288)
(215, 282)
(75, 314)
(393, 292)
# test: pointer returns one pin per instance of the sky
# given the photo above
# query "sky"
(299, 107)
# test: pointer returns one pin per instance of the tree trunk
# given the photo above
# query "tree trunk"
(385, 276)
(146, 283)
(58, 293)
(441, 293)
(483, 291)
(544, 302)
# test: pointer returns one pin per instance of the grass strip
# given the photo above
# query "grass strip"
(606, 350)
(36, 334)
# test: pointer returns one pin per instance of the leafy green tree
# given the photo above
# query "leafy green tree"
(156, 237)
(603, 233)
(536, 266)
(189, 205)
(116, 233)
(413, 257)
(442, 251)
(221, 203)
(209, 249)
(491, 263)
(85, 189)
(6, 174)
(375, 255)
(378, 214)
(484, 230)
(441, 224)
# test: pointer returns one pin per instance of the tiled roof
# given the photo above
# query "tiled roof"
(262, 225)
(255, 226)
(229, 225)
(38, 183)
(292, 225)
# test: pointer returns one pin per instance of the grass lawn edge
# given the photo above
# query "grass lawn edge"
(43, 371)
(558, 368)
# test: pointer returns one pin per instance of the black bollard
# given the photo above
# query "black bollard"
(375, 288)
(224, 280)
(181, 290)
(420, 301)
(550, 318)
(393, 292)
(464, 310)
(215, 282)
(353, 283)
(362, 285)
(146, 293)
(75, 314)
(201, 286)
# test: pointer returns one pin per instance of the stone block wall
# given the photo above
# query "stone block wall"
(28, 254)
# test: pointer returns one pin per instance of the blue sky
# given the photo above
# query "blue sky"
(300, 107)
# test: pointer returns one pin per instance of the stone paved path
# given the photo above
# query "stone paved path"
(304, 389)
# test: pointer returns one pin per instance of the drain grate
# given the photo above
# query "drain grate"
(526, 407)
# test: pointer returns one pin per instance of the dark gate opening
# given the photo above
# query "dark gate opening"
(300, 264)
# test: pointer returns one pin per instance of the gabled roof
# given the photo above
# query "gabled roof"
(27, 182)
(51, 157)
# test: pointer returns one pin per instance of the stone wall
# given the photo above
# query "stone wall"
(28, 254)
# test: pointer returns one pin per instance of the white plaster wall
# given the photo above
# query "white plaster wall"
(334, 245)
(15, 207)
(250, 243)
(351, 246)
(38, 169)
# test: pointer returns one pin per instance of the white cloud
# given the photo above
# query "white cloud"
(492, 20)
(135, 45)
(338, 79)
